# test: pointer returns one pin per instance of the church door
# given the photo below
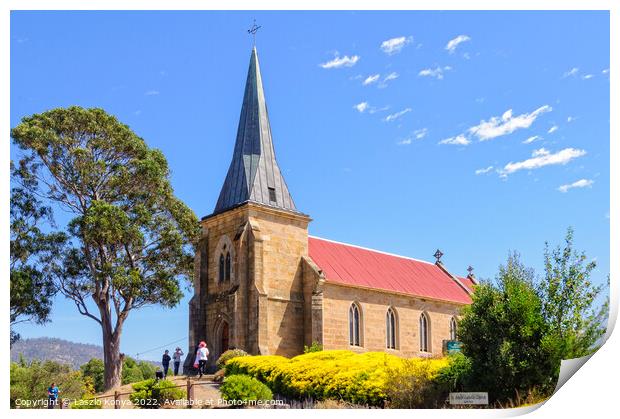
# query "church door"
(224, 338)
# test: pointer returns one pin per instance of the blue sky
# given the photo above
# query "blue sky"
(473, 132)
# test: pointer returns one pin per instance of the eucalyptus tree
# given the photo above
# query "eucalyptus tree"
(130, 240)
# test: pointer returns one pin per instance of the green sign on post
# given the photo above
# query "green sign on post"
(453, 346)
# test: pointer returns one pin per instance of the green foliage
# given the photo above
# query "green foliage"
(130, 240)
(229, 354)
(33, 255)
(148, 369)
(94, 370)
(244, 388)
(314, 347)
(516, 332)
(457, 375)
(30, 381)
(153, 394)
(132, 372)
(502, 331)
(568, 297)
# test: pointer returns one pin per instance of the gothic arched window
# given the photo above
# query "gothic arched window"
(452, 328)
(228, 266)
(423, 333)
(221, 270)
(390, 329)
(354, 325)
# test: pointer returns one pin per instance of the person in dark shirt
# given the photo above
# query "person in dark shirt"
(165, 362)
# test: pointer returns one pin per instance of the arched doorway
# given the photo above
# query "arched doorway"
(224, 337)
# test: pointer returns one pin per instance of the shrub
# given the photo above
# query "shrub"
(229, 354)
(153, 394)
(457, 375)
(94, 370)
(29, 381)
(413, 384)
(338, 374)
(315, 347)
(244, 388)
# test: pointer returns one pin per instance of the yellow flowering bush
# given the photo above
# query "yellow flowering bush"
(339, 374)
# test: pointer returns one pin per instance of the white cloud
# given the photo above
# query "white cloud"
(151, 93)
(395, 45)
(541, 158)
(553, 129)
(531, 139)
(484, 171)
(361, 107)
(453, 43)
(344, 61)
(391, 76)
(371, 79)
(587, 76)
(406, 141)
(606, 71)
(570, 119)
(375, 110)
(420, 133)
(436, 72)
(581, 183)
(571, 73)
(458, 140)
(540, 152)
(396, 115)
(507, 124)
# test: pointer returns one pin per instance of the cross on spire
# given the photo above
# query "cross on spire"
(252, 31)
(438, 254)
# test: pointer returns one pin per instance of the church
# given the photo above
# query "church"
(264, 285)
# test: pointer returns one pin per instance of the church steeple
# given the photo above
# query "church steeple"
(254, 174)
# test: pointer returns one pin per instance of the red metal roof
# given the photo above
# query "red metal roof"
(352, 265)
(467, 282)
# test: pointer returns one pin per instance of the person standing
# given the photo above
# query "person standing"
(202, 355)
(52, 396)
(165, 362)
(176, 357)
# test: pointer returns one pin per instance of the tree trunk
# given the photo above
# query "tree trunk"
(112, 358)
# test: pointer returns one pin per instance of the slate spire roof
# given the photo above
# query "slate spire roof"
(254, 174)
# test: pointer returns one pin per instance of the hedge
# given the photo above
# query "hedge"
(337, 374)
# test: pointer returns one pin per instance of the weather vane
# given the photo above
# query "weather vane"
(470, 269)
(252, 31)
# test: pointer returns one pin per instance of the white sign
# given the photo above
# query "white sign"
(469, 398)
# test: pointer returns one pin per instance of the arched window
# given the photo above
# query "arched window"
(220, 276)
(452, 328)
(423, 333)
(390, 329)
(354, 325)
(228, 266)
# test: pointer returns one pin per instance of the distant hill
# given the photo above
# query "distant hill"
(53, 349)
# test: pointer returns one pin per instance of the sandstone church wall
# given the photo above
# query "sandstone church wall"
(374, 304)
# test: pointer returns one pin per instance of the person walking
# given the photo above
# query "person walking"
(52, 396)
(202, 355)
(176, 357)
(165, 362)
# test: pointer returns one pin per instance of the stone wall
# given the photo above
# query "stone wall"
(374, 304)
(263, 303)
